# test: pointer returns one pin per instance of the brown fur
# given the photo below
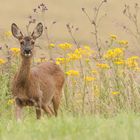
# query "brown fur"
(37, 86)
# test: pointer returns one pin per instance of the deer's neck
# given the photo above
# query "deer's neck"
(24, 71)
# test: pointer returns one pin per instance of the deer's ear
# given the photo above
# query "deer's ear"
(16, 31)
(37, 31)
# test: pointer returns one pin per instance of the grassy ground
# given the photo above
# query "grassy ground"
(122, 127)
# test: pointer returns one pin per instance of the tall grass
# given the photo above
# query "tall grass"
(67, 127)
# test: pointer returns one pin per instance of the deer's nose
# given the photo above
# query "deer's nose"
(27, 50)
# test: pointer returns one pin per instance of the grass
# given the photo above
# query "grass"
(121, 127)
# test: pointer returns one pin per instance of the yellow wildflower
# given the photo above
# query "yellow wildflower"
(113, 37)
(89, 78)
(10, 101)
(72, 73)
(57, 63)
(87, 48)
(62, 60)
(118, 51)
(109, 54)
(51, 45)
(87, 60)
(78, 53)
(15, 50)
(94, 72)
(65, 46)
(2, 61)
(86, 51)
(134, 57)
(132, 62)
(8, 34)
(74, 56)
(137, 69)
(113, 53)
(115, 92)
(123, 42)
(119, 62)
(103, 65)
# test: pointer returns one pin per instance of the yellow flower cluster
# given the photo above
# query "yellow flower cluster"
(78, 53)
(137, 69)
(72, 73)
(86, 51)
(15, 51)
(74, 56)
(8, 34)
(132, 62)
(94, 72)
(103, 66)
(119, 61)
(115, 92)
(2, 61)
(51, 45)
(10, 101)
(89, 79)
(61, 60)
(65, 46)
(113, 37)
(113, 53)
(123, 42)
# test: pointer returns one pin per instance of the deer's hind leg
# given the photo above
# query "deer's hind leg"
(48, 110)
(56, 101)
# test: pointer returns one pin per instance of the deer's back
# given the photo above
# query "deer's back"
(50, 71)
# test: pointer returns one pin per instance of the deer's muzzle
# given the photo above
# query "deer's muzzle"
(27, 52)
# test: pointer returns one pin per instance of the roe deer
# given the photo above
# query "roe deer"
(37, 86)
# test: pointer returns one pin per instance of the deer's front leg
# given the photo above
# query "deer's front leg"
(38, 109)
(38, 112)
(18, 109)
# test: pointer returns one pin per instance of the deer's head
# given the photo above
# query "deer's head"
(27, 42)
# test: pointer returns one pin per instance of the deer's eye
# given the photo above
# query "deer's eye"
(32, 42)
(22, 42)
